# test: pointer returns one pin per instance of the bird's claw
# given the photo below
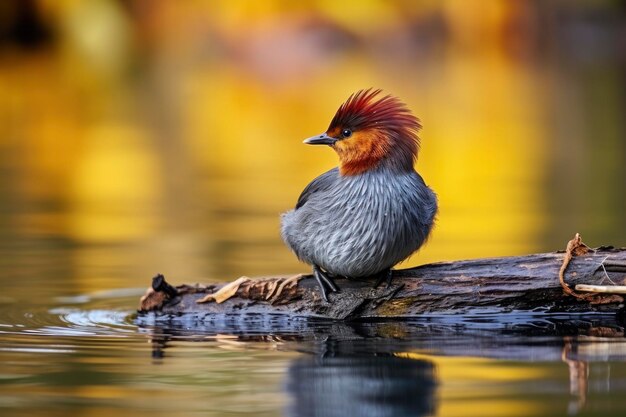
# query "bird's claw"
(324, 281)
(384, 276)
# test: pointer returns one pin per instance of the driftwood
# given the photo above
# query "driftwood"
(540, 282)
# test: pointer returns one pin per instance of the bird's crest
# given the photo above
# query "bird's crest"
(384, 129)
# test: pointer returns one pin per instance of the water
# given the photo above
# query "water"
(85, 354)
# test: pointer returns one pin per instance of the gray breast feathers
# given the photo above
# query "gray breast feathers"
(360, 225)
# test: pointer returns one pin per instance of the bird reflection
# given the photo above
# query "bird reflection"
(357, 369)
(361, 386)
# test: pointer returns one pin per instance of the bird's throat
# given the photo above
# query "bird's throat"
(358, 166)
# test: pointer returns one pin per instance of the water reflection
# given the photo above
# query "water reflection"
(362, 386)
(89, 347)
(397, 368)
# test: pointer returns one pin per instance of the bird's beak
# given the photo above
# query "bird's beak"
(322, 139)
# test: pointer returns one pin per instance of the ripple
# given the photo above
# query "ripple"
(93, 315)
(92, 322)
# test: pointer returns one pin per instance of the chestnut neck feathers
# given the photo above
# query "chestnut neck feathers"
(372, 130)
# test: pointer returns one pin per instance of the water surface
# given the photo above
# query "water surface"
(87, 354)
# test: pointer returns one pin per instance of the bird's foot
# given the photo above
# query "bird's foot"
(384, 276)
(325, 282)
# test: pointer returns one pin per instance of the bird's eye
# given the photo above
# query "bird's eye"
(346, 133)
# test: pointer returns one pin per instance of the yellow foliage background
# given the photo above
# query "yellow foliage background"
(158, 136)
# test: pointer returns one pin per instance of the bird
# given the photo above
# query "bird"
(360, 219)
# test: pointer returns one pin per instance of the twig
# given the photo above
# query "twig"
(607, 289)
(573, 246)
(577, 247)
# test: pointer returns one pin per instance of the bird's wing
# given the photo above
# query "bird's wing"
(321, 183)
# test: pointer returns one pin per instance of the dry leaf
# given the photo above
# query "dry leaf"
(224, 293)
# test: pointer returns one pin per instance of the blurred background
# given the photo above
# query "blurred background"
(151, 136)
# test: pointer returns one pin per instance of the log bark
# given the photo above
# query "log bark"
(489, 285)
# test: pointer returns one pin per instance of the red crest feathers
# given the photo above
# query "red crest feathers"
(363, 110)
(394, 123)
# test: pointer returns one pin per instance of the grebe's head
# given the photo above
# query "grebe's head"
(369, 129)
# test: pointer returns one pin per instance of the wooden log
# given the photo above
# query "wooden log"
(490, 285)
